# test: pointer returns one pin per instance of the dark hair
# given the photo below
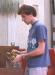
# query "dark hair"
(27, 9)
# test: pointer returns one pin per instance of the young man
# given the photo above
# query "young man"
(37, 52)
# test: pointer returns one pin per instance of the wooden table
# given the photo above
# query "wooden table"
(6, 71)
(9, 71)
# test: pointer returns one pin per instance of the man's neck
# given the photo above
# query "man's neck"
(33, 20)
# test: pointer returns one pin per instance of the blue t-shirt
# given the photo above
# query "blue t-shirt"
(38, 32)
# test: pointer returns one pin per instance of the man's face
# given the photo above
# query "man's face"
(26, 18)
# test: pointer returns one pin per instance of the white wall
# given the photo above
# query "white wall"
(3, 30)
(11, 28)
(17, 32)
(47, 19)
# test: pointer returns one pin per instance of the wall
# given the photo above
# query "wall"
(17, 31)
(3, 30)
(47, 19)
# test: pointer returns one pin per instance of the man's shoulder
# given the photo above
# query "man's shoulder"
(40, 24)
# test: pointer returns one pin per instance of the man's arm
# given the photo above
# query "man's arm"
(38, 51)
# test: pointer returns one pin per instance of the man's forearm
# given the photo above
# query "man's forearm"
(33, 53)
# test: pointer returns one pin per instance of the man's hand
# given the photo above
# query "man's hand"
(18, 58)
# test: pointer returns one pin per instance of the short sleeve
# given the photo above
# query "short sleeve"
(41, 32)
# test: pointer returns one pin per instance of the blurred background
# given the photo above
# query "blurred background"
(14, 31)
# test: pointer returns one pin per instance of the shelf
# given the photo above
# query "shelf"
(53, 42)
(53, 29)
